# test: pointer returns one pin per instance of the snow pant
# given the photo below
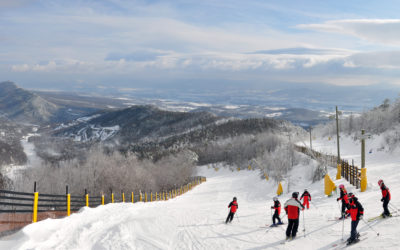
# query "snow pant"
(385, 207)
(230, 217)
(276, 216)
(292, 227)
(306, 203)
(353, 234)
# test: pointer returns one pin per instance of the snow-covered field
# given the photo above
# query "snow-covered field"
(196, 219)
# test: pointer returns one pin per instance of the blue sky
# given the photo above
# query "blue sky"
(72, 44)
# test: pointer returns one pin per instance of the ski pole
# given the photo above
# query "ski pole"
(393, 207)
(342, 226)
(271, 216)
(377, 233)
(304, 225)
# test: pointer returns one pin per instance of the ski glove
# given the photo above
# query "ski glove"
(360, 217)
(382, 199)
(337, 199)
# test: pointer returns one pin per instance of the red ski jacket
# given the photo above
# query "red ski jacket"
(234, 206)
(385, 193)
(355, 209)
(292, 208)
(277, 207)
(343, 196)
(306, 195)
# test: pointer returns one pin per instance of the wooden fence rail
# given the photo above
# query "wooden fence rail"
(18, 209)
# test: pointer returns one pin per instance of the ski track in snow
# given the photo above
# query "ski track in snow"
(196, 219)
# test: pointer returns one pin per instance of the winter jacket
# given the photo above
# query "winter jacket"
(355, 209)
(234, 206)
(343, 196)
(385, 193)
(292, 208)
(306, 195)
(277, 207)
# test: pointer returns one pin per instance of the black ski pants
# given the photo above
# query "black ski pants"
(344, 206)
(276, 216)
(292, 227)
(353, 234)
(230, 217)
(385, 207)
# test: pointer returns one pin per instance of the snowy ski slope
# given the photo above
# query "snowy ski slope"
(196, 219)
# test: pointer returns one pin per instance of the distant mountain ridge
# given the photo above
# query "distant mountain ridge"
(23, 106)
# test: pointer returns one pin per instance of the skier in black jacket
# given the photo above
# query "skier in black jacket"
(277, 207)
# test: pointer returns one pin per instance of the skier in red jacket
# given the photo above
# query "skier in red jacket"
(307, 198)
(234, 206)
(345, 200)
(385, 198)
(292, 208)
(356, 212)
(277, 207)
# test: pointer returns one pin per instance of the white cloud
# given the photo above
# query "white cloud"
(383, 31)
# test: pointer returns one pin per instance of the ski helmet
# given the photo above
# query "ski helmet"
(295, 194)
(350, 195)
(341, 186)
(380, 182)
(275, 198)
(234, 198)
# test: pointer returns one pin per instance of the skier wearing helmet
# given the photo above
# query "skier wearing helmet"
(345, 200)
(277, 207)
(292, 208)
(356, 211)
(385, 198)
(307, 198)
(234, 206)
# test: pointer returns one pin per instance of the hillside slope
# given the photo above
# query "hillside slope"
(195, 220)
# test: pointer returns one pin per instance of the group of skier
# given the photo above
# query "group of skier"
(351, 207)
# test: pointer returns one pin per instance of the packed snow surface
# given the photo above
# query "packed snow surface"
(195, 220)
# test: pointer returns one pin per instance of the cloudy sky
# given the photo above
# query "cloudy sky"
(73, 43)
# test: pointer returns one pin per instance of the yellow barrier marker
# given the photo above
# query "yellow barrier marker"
(133, 198)
(68, 204)
(140, 197)
(151, 196)
(339, 172)
(87, 199)
(112, 197)
(35, 207)
(279, 191)
(123, 197)
(363, 179)
(102, 199)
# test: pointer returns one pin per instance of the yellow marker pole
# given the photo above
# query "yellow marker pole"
(145, 197)
(102, 199)
(87, 199)
(151, 196)
(112, 197)
(35, 207)
(339, 172)
(133, 198)
(68, 204)
(363, 179)
(170, 195)
(123, 197)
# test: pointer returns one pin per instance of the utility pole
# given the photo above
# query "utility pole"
(362, 148)
(337, 134)
(310, 138)
(339, 167)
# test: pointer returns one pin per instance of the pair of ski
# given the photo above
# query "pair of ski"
(344, 244)
(381, 217)
(272, 225)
